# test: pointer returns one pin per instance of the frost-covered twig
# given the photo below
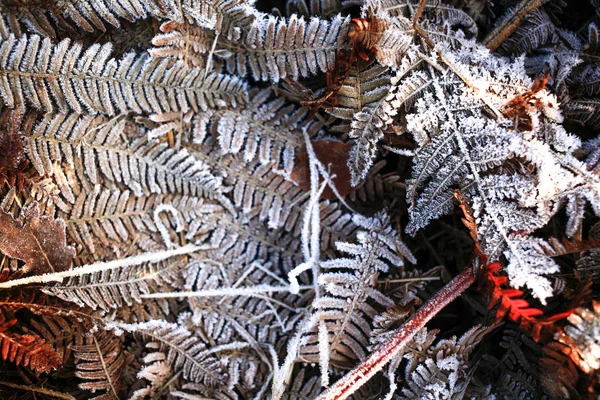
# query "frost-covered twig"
(161, 226)
(311, 225)
(256, 290)
(282, 374)
(102, 266)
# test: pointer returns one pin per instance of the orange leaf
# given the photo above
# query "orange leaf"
(27, 350)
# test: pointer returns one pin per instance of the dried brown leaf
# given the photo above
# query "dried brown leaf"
(334, 156)
(40, 242)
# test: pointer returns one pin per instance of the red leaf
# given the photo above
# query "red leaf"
(511, 304)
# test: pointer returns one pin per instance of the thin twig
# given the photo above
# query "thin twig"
(102, 266)
(510, 23)
(40, 390)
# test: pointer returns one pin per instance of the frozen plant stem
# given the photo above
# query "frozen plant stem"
(360, 375)
(102, 266)
(510, 23)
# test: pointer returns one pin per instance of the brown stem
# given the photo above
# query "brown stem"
(418, 29)
(354, 379)
(510, 23)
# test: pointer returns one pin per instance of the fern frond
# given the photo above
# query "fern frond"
(185, 352)
(51, 77)
(587, 81)
(364, 85)
(107, 217)
(515, 375)
(58, 332)
(261, 192)
(270, 48)
(518, 385)
(436, 378)
(248, 239)
(367, 130)
(394, 47)
(33, 17)
(371, 100)
(10, 25)
(144, 167)
(343, 307)
(511, 304)
(100, 362)
(442, 370)
(362, 100)
(266, 130)
(407, 88)
(90, 15)
(265, 317)
(157, 372)
(385, 326)
(535, 31)
(431, 370)
(28, 350)
(56, 322)
(119, 287)
(438, 14)
(247, 364)
(460, 146)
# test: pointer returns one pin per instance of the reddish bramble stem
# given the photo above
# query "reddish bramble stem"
(354, 379)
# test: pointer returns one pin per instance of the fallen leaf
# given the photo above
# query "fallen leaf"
(41, 242)
(334, 156)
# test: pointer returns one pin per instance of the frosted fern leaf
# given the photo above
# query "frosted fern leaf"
(58, 76)
(91, 15)
(343, 308)
(94, 147)
(116, 288)
(270, 48)
(460, 146)
(185, 352)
